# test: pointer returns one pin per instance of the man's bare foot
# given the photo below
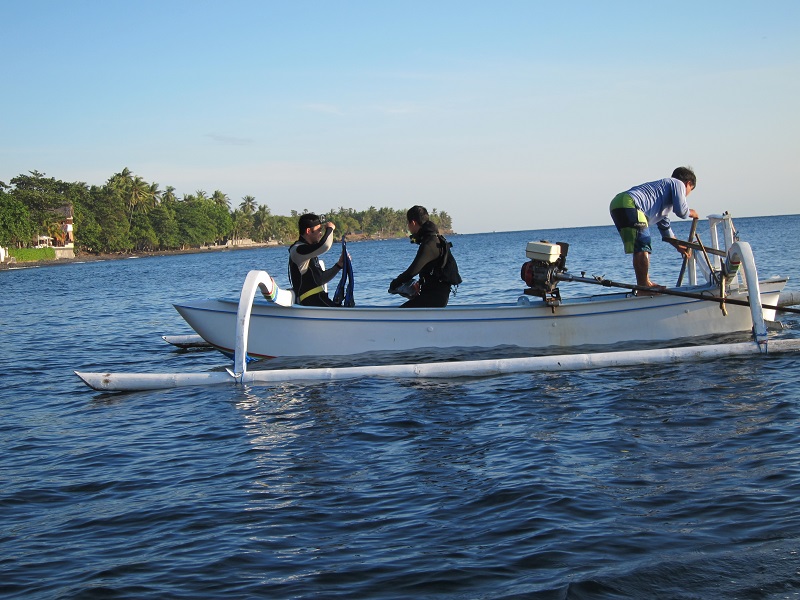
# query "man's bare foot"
(654, 290)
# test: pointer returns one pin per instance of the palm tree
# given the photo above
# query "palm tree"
(221, 199)
(139, 197)
(169, 195)
(262, 223)
(241, 225)
(155, 194)
(445, 221)
(248, 205)
(121, 180)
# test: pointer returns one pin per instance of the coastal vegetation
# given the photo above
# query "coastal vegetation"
(129, 214)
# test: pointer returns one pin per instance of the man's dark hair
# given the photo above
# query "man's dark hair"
(307, 220)
(686, 175)
(418, 214)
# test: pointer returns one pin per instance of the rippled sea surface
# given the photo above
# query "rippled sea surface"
(645, 482)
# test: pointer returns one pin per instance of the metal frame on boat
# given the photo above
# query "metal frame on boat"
(731, 300)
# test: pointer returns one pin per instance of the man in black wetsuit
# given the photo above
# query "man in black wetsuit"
(431, 255)
(306, 274)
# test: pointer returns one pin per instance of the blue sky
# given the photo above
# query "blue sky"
(508, 115)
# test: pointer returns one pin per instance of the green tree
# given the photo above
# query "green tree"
(368, 220)
(139, 197)
(16, 227)
(87, 229)
(445, 222)
(109, 211)
(195, 225)
(42, 196)
(162, 220)
(284, 229)
(221, 199)
(248, 205)
(168, 196)
(122, 180)
(142, 235)
(221, 217)
(262, 224)
(240, 226)
(128, 213)
(155, 194)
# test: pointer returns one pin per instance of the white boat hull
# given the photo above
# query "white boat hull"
(605, 319)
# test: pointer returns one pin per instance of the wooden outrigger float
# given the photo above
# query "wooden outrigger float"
(683, 312)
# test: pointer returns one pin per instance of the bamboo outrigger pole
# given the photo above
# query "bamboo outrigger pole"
(122, 382)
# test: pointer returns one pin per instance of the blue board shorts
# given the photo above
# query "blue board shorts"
(631, 224)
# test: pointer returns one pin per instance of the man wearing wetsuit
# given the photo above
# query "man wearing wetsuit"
(635, 210)
(306, 274)
(432, 293)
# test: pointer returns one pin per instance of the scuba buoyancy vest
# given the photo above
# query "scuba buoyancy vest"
(302, 282)
(344, 291)
(447, 269)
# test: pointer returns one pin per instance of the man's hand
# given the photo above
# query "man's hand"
(693, 213)
(330, 225)
(341, 259)
(687, 252)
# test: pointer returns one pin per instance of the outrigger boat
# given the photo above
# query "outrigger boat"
(538, 320)
(731, 299)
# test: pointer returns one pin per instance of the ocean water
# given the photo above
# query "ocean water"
(678, 481)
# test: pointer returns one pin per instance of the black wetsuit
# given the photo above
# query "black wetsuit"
(433, 293)
(307, 275)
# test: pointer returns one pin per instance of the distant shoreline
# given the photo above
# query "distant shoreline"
(82, 258)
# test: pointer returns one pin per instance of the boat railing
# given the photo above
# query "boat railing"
(721, 241)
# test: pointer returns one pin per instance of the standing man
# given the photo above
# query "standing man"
(430, 263)
(306, 274)
(635, 210)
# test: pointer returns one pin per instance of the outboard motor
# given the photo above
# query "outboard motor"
(540, 273)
